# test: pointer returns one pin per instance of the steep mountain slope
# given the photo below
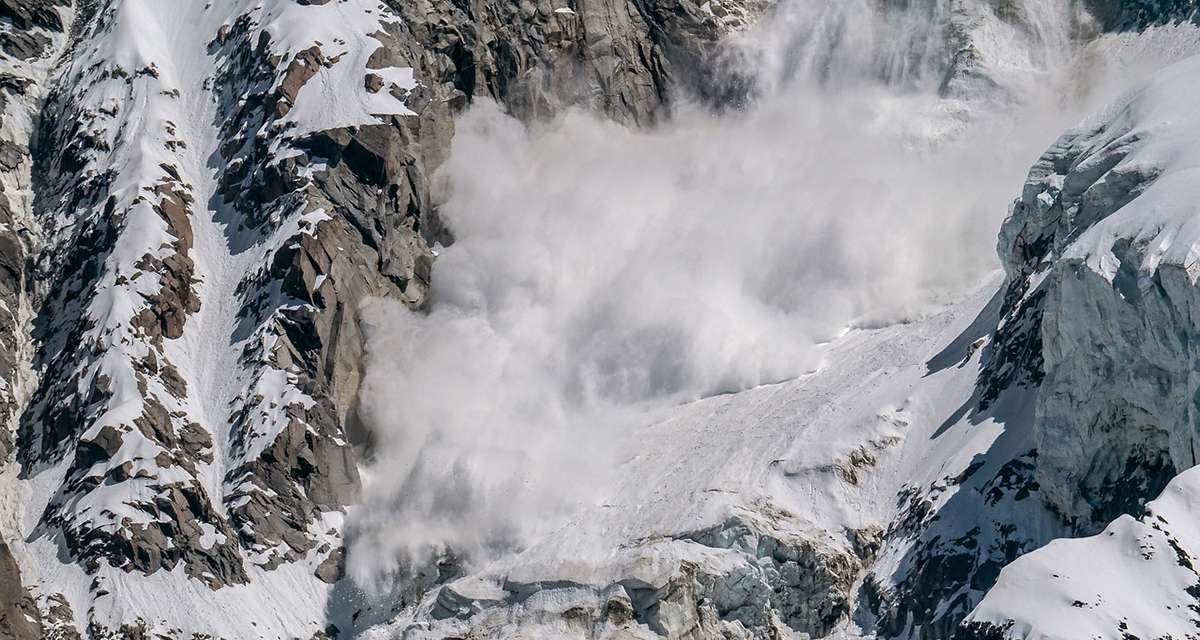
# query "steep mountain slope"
(717, 532)
(1105, 235)
(882, 494)
(198, 198)
(216, 188)
(30, 36)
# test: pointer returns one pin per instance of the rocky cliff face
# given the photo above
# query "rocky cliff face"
(1103, 240)
(19, 616)
(1132, 15)
(30, 38)
(1088, 365)
(196, 198)
(1114, 410)
(214, 191)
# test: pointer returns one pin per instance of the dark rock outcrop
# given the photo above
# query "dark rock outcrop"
(125, 311)
(19, 617)
(1135, 15)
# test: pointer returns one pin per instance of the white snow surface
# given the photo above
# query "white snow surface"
(777, 445)
(163, 47)
(897, 390)
(1138, 577)
(771, 452)
(1160, 126)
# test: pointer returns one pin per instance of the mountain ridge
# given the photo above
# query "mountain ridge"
(200, 198)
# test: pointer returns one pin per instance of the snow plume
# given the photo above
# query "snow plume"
(600, 272)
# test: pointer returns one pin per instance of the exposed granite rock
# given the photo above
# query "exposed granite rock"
(347, 214)
(24, 45)
(976, 630)
(35, 26)
(343, 215)
(948, 544)
(619, 57)
(12, 277)
(110, 399)
(368, 187)
(19, 617)
(32, 14)
(33, 29)
(374, 184)
(58, 619)
(333, 567)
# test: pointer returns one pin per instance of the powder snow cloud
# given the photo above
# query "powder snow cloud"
(601, 272)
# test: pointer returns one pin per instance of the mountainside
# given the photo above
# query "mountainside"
(205, 202)
(1106, 229)
(203, 196)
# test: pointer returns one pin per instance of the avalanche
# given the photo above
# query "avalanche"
(715, 344)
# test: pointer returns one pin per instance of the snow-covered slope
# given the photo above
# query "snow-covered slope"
(198, 198)
(1136, 578)
(713, 530)
(216, 188)
(879, 495)
(1107, 225)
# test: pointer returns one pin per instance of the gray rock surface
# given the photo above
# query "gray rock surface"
(225, 479)
(79, 241)
(1133, 15)
(19, 616)
(1108, 318)
(32, 31)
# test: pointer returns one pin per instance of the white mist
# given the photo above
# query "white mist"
(600, 272)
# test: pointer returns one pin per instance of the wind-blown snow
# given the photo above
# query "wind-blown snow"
(1159, 125)
(637, 333)
(1138, 578)
(600, 272)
